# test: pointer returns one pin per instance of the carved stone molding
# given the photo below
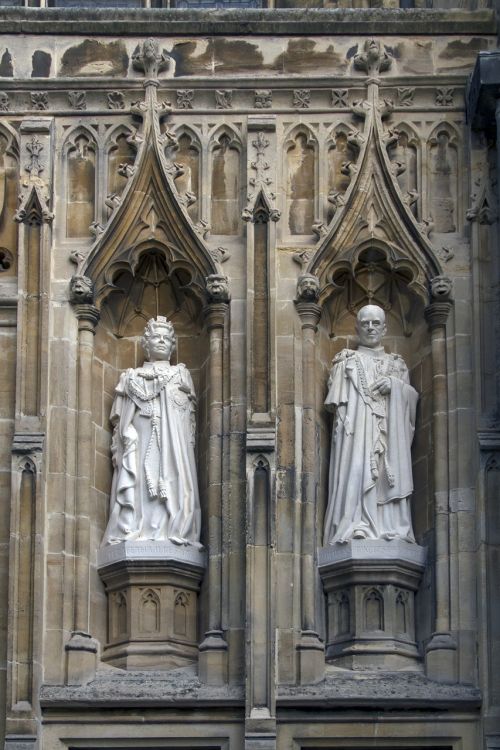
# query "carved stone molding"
(28, 442)
(309, 314)
(436, 314)
(215, 314)
(34, 197)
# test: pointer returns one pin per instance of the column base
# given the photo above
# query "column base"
(212, 662)
(370, 588)
(441, 658)
(152, 590)
(81, 658)
(310, 658)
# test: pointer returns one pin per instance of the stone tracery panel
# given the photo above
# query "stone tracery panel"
(300, 157)
(340, 153)
(119, 151)
(405, 157)
(443, 175)
(225, 155)
(9, 179)
(188, 184)
(81, 166)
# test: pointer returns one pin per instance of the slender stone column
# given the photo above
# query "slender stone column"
(441, 650)
(82, 648)
(213, 649)
(310, 648)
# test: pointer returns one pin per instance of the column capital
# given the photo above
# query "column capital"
(309, 314)
(436, 314)
(88, 316)
(215, 314)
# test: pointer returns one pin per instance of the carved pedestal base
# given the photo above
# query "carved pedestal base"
(370, 588)
(152, 590)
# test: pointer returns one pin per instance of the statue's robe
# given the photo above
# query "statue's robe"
(154, 493)
(370, 480)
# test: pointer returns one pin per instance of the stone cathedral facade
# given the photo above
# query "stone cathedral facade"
(256, 176)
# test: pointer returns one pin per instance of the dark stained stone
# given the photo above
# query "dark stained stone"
(303, 55)
(40, 62)
(94, 58)
(6, 67)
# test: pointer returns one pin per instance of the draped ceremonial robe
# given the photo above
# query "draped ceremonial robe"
(370, 481)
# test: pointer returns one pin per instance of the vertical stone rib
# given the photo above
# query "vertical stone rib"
(87, 319)
(260, 379)
(31, 400)
(310, 646)
(24, 604)
(213, 650)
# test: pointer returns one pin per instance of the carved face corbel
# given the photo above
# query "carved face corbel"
(217, 288)
(308, 288)
(81, 290)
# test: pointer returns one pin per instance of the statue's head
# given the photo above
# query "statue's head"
(158, 340)
(308, 287)
(370, 325)
(81, 290)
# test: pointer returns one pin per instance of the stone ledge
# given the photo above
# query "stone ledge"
(395, 690)
(299, 21)
(148, 551)
(116, 688)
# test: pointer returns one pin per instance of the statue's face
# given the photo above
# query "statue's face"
(308, 287)
(370, 325)
(159, 345)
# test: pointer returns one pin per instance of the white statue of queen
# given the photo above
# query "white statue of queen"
(154, 493)
(370, 464)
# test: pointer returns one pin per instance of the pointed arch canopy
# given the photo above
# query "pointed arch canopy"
(149, 216)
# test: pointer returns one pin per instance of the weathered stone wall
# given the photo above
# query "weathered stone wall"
(289, 146)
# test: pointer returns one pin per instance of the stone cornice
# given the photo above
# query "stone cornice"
(299, 21)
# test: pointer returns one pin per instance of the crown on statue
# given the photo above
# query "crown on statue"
(158, 322)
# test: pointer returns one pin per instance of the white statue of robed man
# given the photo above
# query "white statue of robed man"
(374, 409)
(154, 493)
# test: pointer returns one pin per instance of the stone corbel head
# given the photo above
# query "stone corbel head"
(441, 289)
(217, 288)
(307, 288)
(81, 290)
(149, 60)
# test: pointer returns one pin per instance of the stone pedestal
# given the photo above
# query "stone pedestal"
(152, 590)
(370, 588)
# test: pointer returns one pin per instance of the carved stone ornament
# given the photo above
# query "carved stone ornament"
(154, 494)
(340, 98)
(77, 100)
(218, 288)
(374, 59)
(374, 409)
(185, 98)
(4, 101)
(441, 288)
(81, 290)
(149, 60)
(301, 98)
(39, 100)
(308, 288)
(263, 99)
(223, 99)
(115, 100)
(34, 197)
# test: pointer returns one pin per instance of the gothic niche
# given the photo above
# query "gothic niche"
(404, 158)
(375, 273)
(9, 188)
(300, 150)
(120, 152)
(226, 185)
(443, 165)
(80, 184)
(341, 154)
(188, 155)
(151, 281)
